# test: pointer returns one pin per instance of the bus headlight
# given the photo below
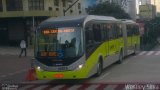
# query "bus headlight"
(39, 68)
(80, 67)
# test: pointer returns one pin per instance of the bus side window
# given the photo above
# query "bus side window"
(97, 32)
(89, 38)
(134, 30)
(116, 30)
(111, 33)
(120, 30)
(137, 28)
(104, 32)
(129, 30)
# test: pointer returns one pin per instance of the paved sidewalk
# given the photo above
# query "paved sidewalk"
(4, 50)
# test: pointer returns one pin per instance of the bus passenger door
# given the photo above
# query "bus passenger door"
(105, 39)
(112, 44)
(119, 43)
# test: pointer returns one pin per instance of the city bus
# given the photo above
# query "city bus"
(79, 47)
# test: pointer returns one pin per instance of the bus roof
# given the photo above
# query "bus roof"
(99, 18)
(79, 20)
(128, 21)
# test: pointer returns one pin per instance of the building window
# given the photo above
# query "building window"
(56, 2)
(79, 6)
(64, 3)
(14, 5)
(36, 4)
(71, 11)
(57, 9)
(1, 5)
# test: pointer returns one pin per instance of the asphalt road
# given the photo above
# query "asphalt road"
(143, 67)
(13, 68)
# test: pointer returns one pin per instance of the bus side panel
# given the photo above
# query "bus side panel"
(93, 59)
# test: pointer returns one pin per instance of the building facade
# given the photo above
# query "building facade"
(157, 4)
(131, 9)
(147, 12)
(144, 2)
(19, 18)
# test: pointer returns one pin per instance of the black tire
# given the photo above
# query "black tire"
(120, 60)
(99, 68)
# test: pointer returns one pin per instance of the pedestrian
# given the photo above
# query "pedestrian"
(23, 47)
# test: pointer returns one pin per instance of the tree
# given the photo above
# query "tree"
(108, 9)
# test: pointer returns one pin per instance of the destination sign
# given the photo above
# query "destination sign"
(55, 31)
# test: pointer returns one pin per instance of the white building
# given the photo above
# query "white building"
(157, 4)
(130, 8)
(144, 2)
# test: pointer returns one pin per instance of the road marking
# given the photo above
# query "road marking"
(87, 86)
(104, 75)
(83, 87)
(25, 87)
(158, 53)
(57, 87)
(75, 87)
(40, 87)
(110, 87)
(142, 53)
(92, 87)
(101, 87)
(151, 52)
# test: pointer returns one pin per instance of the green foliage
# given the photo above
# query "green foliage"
(108, 9)
(152, 32)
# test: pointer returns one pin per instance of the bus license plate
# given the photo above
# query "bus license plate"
(62, 68)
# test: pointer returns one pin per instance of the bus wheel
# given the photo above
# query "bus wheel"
(120, 57)
(99, 69)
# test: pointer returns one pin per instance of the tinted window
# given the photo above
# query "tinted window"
(1, 5)
(14, 5)
(104, 32)
(111, 31)
(97, 32)
(129, 30)
(118, 30)
(36, 4)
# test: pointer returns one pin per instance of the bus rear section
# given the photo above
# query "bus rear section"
(132, 37)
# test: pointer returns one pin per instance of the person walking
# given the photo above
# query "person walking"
(23, 48)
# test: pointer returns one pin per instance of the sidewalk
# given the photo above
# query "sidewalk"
(5, 50)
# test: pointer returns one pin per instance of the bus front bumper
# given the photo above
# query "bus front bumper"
(76, 74)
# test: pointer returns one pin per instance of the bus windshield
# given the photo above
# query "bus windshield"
(60, 43)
